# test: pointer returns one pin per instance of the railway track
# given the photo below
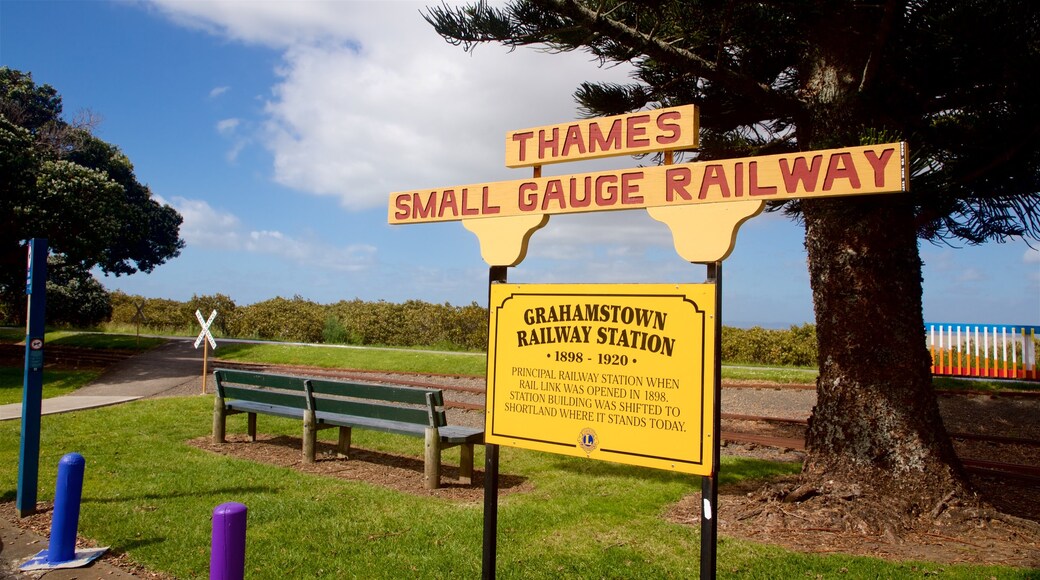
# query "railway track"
(467, 393)
(66, 356)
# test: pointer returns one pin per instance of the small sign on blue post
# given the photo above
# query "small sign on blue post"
(32, 394)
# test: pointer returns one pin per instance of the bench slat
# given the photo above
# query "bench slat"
(265, 396)
(272, 381)
(389, 393)
(419, 417)
(456, 434)
(251, 407)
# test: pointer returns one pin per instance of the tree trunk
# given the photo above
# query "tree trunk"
(876, 420)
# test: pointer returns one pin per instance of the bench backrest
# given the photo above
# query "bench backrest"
(380, 401)
(266, 388)
(385, 402)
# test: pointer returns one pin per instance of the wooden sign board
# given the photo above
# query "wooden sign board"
(632, 134)
(615, 372)
(834, 172)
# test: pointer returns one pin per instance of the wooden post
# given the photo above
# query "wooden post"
(219, 419)
(205, 356)
(310, 435)
(432, 458)
(466, 463)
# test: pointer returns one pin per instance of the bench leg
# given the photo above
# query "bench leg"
(343, 447)
(310, 436)
(466, 463)
(219, 420)
(251, 426)
(432, 475)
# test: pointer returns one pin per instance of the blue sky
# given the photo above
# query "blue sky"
(278, 129)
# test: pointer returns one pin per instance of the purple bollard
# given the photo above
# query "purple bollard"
(65, 521)
(227, 559)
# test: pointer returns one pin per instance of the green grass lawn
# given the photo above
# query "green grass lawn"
(56, 382)
(148, 494)
(450, 363)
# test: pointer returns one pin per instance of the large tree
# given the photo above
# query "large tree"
(954, 79)
(60, 182)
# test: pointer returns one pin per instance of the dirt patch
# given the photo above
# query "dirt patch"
(399, 472)
(825, 522)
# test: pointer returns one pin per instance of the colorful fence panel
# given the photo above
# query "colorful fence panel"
(1000, 351)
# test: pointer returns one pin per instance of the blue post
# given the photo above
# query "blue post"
(32, 393)
(227, 559)
(65, 521)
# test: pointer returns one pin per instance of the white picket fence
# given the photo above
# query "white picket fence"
(1001, 351)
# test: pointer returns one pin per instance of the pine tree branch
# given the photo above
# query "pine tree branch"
(666, 52)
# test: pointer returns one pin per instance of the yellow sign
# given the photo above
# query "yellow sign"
(827, 173)
(643, 132)
(616, 372)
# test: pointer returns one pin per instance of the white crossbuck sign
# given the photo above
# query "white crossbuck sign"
(205, 334)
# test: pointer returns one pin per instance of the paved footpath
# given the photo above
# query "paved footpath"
(168, 367)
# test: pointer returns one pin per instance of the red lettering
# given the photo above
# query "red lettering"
(601, 142)
(635, 131)
(448, 200)
(714, 175)
(522, 138)
(401, 203)
(486, 209)
(466, 210)
(586, 199)
(674, 129)
(423, 211)
(676, 180)
(808, 175)
(573, 139)
(753, 187)
(878, 165)
(630, 190)
(528, 194)
(841, 167)
(606, 195)
(554, 192)
(551, 144)
(738, 179)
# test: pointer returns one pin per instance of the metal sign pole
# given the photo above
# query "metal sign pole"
(710, 483)
(32, 393)
(496, 275)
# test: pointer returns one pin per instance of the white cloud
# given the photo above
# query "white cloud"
(228, 126)
(970, 275)
(1031, 256)
(205, 226)
(217, 91)
(371, 100)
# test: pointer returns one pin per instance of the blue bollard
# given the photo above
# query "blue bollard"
(65, 521)
(227, 559)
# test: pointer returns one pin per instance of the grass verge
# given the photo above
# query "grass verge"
(148, 494)
(56, 382)
(357, 358)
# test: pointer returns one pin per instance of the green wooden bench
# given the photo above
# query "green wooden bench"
(325, 403)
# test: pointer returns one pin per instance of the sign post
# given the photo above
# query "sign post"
(206, 340)
(139, 317)
(628, 373)
(32, 393)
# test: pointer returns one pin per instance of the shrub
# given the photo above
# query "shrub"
(793, 347)
(225, 307)
(295, 320)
